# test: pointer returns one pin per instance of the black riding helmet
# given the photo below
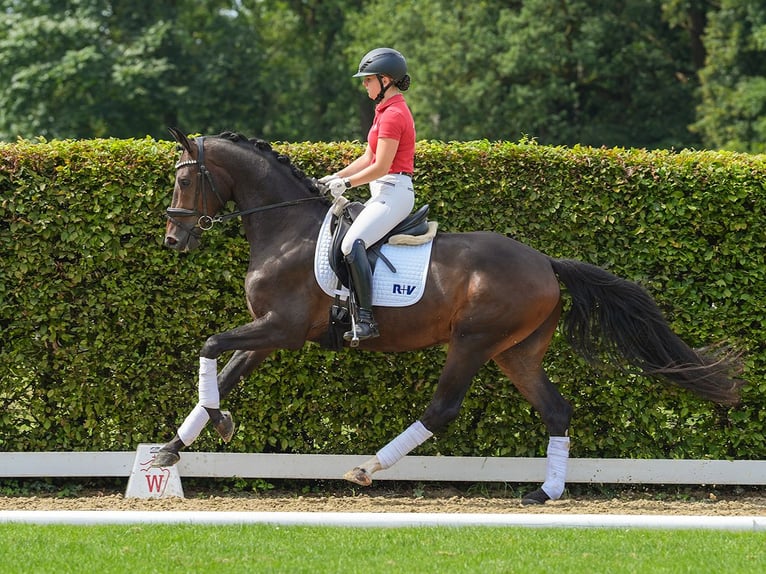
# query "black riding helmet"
(385, 62)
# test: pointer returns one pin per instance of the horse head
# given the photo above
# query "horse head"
(196, 196)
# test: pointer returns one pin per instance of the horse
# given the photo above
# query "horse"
(465, 306)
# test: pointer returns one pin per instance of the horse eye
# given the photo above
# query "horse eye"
(184, 182)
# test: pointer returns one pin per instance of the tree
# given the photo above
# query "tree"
(306, 68)
(616, 73)
(732, 109)
(564, 72)
(65, 71)
(91, 68)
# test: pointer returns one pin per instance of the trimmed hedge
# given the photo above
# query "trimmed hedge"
(101, 325)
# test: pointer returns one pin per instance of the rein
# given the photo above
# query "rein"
(206, 222)
(222, 218)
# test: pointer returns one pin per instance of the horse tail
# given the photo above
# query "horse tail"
(617, 320)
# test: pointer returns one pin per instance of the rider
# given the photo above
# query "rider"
(387, 165)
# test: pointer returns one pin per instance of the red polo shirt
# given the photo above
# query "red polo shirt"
(393, 120)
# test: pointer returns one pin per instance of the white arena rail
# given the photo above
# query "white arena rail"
(411, 468)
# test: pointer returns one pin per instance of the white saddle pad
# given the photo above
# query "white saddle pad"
(400, 289)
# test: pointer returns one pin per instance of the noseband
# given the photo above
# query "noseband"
(206, 222)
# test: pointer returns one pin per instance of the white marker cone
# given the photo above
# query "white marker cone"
(148, 482)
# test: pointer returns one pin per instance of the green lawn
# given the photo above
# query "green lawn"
(26, 548)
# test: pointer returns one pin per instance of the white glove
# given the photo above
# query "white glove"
(327, 179)
(337, 186)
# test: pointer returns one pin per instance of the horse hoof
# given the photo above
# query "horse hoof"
(535, 498)
(165, 458)
(358, 476)
(225, 426)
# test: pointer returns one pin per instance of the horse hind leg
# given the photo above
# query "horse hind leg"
(523, 366)
(461, 366)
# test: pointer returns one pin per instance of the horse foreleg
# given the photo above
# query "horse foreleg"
(241, 364)
(459, 370)
(210, 400)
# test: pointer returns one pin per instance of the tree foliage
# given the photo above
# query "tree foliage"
(732, 111)
(627, 73)
(82, 68)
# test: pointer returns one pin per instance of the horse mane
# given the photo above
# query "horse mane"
(265, 147)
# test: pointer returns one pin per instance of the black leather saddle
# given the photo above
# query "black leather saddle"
(414, 224)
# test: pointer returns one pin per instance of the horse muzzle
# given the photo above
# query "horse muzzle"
(181, 238)
(182, 244)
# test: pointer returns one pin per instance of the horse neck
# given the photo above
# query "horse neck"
(277, 225)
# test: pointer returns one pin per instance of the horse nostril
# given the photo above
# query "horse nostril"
(170, 241)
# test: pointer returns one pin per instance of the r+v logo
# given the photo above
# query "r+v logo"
(399, 289)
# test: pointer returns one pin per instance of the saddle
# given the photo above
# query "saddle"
(415, 224)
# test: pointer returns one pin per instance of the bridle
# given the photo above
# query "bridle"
(204, 221)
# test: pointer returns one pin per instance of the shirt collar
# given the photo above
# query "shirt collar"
(393, 99)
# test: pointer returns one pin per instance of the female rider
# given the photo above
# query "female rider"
(387, 165)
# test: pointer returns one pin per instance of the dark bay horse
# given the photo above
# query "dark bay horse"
(487, 297)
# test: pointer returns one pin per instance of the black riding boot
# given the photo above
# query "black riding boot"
(361, 283)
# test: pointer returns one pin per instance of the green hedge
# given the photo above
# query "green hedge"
(101, 325)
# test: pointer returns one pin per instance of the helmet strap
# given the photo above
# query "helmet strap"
(383, 88)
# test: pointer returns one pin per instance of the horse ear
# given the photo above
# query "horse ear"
(181, 138)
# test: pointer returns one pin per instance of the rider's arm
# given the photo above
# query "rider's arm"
(371, 171)
(358, 164)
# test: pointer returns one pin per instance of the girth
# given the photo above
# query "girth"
(414, 224)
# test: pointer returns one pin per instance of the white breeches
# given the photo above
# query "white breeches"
(392, 198)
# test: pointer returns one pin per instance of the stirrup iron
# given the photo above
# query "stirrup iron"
(354, 333)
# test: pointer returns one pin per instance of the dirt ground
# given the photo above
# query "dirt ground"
(404, 497)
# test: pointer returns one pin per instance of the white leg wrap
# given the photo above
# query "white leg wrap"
(208, 383)
(193, 425)
(415, 435)
(556, 473)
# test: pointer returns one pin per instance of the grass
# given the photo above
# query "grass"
(187, 549)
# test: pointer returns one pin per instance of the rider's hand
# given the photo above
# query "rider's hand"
(327, 179)
(337, 186)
